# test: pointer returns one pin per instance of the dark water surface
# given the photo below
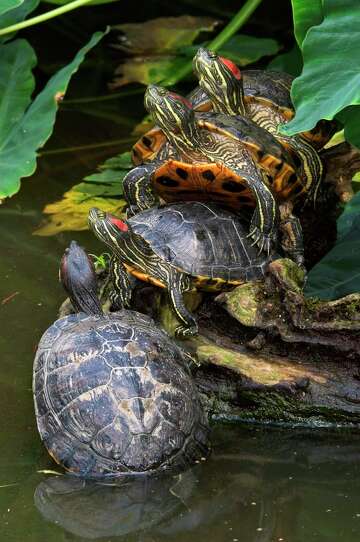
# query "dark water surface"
(259, 485)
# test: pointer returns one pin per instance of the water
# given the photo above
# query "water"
(259, 485)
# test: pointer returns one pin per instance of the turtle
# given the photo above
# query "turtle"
(263, 87)
(207, 158)
(113, 392)
(180, 247)
(265, 93)
(267, 102)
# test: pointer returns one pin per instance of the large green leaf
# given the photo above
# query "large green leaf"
(16, 15)
(338, 273)
(16, 84)
(307, 13)
(330, 80)
(31, 131)
(6, 5)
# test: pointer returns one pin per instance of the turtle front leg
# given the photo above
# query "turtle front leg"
(178, 284)
(264, 222)
(121, 295)
(292, 238)
(138, 190)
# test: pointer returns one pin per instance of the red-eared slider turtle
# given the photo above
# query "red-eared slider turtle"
(113, 393)
(265, 95)
(179, 247)
(267, 102)
(207, 159)
(201, 162)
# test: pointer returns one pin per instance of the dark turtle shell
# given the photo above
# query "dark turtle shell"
(202, 240)
(114, 394)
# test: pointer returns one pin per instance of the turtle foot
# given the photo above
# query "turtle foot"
(183, 332)
(264, 241)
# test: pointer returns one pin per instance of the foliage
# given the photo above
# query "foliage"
(102, 189)
(28, 128)
(338, 273)
(327, 32)
(161, 47)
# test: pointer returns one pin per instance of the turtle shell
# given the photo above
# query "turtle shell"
(264, 148)
(114, 394)
(204, 241)
(193, 180)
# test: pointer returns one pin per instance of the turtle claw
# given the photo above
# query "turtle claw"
(131, 211)
(264, 242)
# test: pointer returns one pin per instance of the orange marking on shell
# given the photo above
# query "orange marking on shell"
(143, 276)
(197, 187)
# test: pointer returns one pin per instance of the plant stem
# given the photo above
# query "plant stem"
(102, 144)
(234, 25)
(44, 16)
(105, 97)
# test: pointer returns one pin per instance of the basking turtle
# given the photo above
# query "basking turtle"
(267, 102)
(179, 247)
(113, 393)
(205, 159)
(264, 94)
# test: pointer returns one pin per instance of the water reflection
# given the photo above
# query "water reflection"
(258, 486)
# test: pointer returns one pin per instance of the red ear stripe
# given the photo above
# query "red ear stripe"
(119, 224)
(232, 67)
(181, 98)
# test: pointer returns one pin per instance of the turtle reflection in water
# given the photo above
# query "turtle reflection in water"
(113, 393)
(92, 510)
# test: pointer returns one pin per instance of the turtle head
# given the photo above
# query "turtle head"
(78, 277)
(107, 227)
(221, 80)
(173, 113)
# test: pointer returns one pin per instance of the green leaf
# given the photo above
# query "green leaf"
(244, 49)
(338, 273)
(102, 189)
(350, 118)
(330, 80)
(15, 16)
(162, 35)
(290, 62)
(7, 5)
(16, 84)
(31, 131)
(306, 13)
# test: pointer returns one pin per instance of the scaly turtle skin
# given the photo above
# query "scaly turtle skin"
(113, 393)
(205, 159)
(266, 105)
(179, 247)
